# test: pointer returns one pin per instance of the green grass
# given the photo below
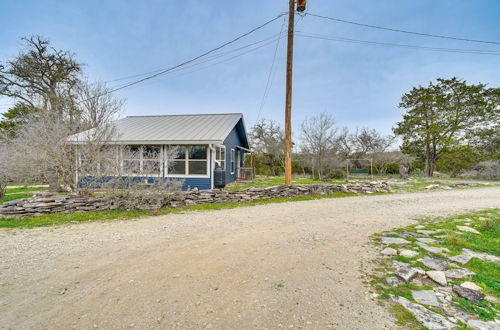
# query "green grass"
(108, 215)
(7, 198)
(405, 318)
(487, 274)
(24, 190)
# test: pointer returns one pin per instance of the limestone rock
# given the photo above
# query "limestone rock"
(394, 240)
(389, 252)
(426, 232)
(426, 297)
(480, 255)
(426, 240)
(434, 263)
(432, 249)
(471, 285)
(482, 325)
(394, 281)
(408, 253)
(458, 273)
(468, 229)
(461, 259)
(406, 273)
(428, 319)
(471, 295)
(437, 276)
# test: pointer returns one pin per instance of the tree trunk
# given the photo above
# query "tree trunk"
(53, 181)
(271, 165)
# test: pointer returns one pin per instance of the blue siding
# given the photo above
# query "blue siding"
(104, 182)
(231, 142)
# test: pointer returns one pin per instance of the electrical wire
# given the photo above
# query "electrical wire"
(205, 59)
(216, 63)
(190, 60)
(270, 75)
(402, 31)
(449, 50)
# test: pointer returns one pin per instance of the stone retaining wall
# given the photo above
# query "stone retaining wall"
(44, 203)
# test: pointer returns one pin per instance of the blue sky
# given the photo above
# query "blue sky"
(361, 85)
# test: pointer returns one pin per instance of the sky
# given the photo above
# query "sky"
(360, 85)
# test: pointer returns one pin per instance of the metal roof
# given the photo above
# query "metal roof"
(172, 129)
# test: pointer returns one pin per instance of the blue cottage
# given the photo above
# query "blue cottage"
(183, 147)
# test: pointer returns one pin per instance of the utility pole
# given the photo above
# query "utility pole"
(301, 6)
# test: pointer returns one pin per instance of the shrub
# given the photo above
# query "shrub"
(337, 174)
(484, 170)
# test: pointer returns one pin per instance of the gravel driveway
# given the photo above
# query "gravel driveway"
(290, 265)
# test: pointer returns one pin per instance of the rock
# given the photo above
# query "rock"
(426, 297)
(406, 273)
(432, 249)
(434, 263)
(491, 299)
(470, 295)
(408, 253)
(471, 285)
(458, 273)
(399, 264)
(389, 252)
(437, 276)
(428, 319)
(432, 186)
(419, 227)
(461, 259)
(394, 240)
(482, 325)
(426, 240)
(480, 255)
(393, 281)
(468, 229)
(426, 232)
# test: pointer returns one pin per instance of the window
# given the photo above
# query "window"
(233, 156)
(132, 159)
(188, 160)
(142, 160)
(178, 163)
(197, 160)
(220, 156)
(151, 160)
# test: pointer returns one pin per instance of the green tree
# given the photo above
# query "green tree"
(14, 118)
(457, 159)
(446, 113)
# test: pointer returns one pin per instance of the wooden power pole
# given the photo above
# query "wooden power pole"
(301, 6)
(288, 100)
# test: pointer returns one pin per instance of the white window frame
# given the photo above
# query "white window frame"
(233, 160)
(141, 160)
(187, 160)
(218, 156)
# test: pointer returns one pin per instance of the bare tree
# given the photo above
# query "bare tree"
(318, 136)
(41, 76)
(267, 139)
(43, 150)
(366, 141)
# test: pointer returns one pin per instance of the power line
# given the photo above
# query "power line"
(449, 50)
(206, 59)
(269, 77)
(192, 59)
(220, 62)
(403, 31)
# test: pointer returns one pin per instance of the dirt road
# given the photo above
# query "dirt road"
(291, 265)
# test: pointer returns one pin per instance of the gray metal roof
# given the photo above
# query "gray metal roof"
(172, 129)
